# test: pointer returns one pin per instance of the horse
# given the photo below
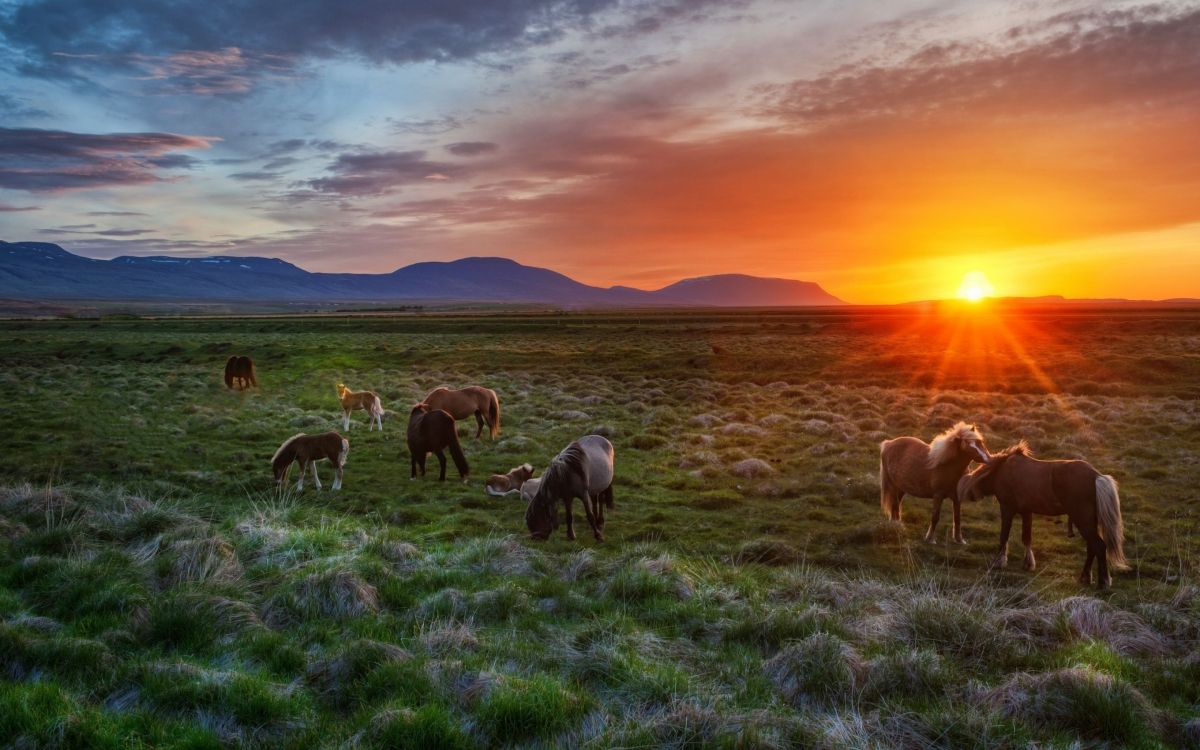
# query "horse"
(368, 401)
(498, 485)
(464, 402)
(1023, 484)
(584, 470)
(241, 369)
(908, 465)
(433, 431)
(308, 450)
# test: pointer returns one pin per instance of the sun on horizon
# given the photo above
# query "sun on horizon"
(975, 287)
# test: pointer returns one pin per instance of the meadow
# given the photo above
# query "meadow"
(156, 591)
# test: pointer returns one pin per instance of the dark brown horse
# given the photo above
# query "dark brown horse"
(434, 431)
(909, 465)
(307, 450)
(241, 369)
(1022, 484)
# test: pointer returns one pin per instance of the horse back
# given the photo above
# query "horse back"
(905, 461)
(598, 453)
(1074, 483)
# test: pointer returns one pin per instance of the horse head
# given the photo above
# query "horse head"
(541, 515)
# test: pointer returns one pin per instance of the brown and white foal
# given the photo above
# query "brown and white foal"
(367, 401)
(308, 450)
(504, 484)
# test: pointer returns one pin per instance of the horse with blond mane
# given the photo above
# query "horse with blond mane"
(1023, 484)
(909, 465)
(307, 450)
(367, 401)
(462, 403)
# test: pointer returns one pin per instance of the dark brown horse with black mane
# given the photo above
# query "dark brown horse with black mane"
(1024, 485)
(434, 431)
(240, 369)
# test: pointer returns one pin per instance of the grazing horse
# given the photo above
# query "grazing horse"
(308, 450)
(368, 401)
(464, 402)
(434, 431)
(1023, 484)
(240, 369)
(584, 470)
(908, 465)
(498, 485)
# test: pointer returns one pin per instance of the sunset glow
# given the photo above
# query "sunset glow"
(614, 142)
(975, 287)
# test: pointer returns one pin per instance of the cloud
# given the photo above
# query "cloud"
(254, 176)
(1072, 62)
(222, 72)
(54, 160)
(6, 208)
(424, 126)
(471, 148)
(218, 32)
(15, 107)
(117, 213)
(378, 172)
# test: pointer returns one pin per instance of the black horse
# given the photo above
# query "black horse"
(434, 431)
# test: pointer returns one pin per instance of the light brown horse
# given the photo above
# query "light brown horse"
(434, 431)
(465, 402)
(1022, 484)
(367, 401)
(909, 465)
(241, 369)
(498, 485)
(307, 450)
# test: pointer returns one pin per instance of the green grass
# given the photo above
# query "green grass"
(155, 591)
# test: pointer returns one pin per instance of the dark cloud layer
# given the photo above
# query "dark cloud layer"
(378, 172)
(53, 160)
(471, 148)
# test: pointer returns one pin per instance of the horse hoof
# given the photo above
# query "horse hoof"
(960, 540)
(1030, 567)
(1104, 584)
(931, 540)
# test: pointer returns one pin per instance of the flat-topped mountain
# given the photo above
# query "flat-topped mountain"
(40, 270)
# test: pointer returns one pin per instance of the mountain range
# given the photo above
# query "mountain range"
(45, 271)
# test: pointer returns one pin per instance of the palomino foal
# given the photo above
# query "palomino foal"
(308, 450)
(367, 401)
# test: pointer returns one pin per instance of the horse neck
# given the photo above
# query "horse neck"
(286, 456)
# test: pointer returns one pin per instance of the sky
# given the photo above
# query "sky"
(881, 149)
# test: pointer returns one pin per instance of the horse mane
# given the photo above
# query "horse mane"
(286, 443)
(968, 482)
(569, 462)
(1021, 448)
(939, 449)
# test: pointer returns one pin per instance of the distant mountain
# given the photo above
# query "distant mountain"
(44, 271)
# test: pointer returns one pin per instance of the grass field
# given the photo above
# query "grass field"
(155, 591)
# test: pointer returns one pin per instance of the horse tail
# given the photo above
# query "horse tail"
(887, 500)
(250, 372)
(1112, 528)
(494, 413)
(376, 408)
(456, 452)
(606, 497)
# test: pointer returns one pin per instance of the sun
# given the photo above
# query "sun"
(975, 287)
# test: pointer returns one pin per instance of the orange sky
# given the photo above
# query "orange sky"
(880, 150)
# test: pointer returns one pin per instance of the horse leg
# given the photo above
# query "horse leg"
(316, 479)
(1103, 579)
(346, 419)
(1085, 575)
(931, 535)
(441, 457)
(337, 477)
(1027, 540)
(413, 463)
(421, 462)
(479, 423)
(1070, 528)
(570, 507)
(1006, 519)
(896, 515)
(589, 508)
(958, 537)
(303, 470)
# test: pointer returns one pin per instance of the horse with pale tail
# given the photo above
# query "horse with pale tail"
(367, 401)
(462, 403)
(1023, 484)
(909, 465)
(307, 450)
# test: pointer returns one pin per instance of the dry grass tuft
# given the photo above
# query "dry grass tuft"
(821, 670)
(446, 637)
(752, 467)
(198, 560)
(337, 594)
(1090, 702)
(331, 677)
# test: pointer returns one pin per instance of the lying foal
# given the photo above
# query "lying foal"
(498, 485)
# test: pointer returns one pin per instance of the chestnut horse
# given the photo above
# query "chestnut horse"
(1023, 484)
(367, 401)
(908, 465)
(584, 470)
(240, 369)
(308, 450)
(465, 402)
(434, 431)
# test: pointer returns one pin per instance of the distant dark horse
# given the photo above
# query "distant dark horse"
(1026, 485)
(908, 465)
(240, 369)
(434, 431)
(584, 470)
